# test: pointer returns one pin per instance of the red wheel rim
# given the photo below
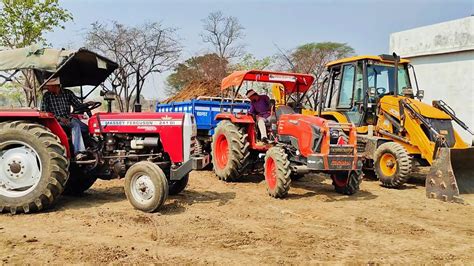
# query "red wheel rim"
(271, 173)
(222, 151)
(339, 180)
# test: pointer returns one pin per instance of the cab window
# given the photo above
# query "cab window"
(347, 86)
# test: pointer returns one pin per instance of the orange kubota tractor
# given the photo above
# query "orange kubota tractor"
(298, 143)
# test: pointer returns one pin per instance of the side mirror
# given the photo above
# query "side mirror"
(420, 94)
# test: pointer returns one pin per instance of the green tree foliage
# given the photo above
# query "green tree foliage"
(249, 62)
(313, 57)
(23, 22)
(11, 95)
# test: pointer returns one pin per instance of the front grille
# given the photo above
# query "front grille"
(360, 147)
(361, 143)
(341, 149)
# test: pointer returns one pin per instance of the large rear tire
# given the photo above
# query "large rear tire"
(78, 181)
(346, 183)
(33, 167)
(277, 172)
(230, 151)
(146, 186)
(392, 164)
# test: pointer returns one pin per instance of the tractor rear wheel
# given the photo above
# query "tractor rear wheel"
(392, 164)
(230, 151)
(176, 187)
(346, 183)
(277, 172)
(78, 181)
(33, 167)
(146, 186)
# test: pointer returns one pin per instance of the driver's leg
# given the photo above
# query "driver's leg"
(262, 128)
(76, 136)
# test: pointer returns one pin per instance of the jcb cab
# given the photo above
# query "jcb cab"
(397, 131)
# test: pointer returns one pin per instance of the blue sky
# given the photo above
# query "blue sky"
(365, 25)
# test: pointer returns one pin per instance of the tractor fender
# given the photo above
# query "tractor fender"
(236, 118)
(46, 119)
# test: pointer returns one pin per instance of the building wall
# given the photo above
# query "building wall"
(443, 57)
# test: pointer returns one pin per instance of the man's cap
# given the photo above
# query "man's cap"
(250, 93)
(53, 82)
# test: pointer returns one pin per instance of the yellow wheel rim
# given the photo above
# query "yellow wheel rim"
(388, 164)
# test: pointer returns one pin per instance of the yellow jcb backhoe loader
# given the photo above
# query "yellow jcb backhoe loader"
(396, 131)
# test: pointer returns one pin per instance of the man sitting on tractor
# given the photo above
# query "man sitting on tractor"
(59, 101)
(261, 109)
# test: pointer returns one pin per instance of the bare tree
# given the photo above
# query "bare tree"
(223, 33)
(140, 51)
(311, 58)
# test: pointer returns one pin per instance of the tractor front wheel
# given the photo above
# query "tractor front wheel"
(392, 164)
(230, 151)
(346, 183)
(33, 167)
(146, 186)
(277, 172)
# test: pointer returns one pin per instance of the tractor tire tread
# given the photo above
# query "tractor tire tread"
(284, 172)
(404, 164)
(56, 162)
(239, 148)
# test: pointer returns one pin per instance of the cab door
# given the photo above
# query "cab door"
(350, 93)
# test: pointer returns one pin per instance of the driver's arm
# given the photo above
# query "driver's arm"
(73, 100)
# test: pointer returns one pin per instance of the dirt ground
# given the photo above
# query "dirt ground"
(221, 223)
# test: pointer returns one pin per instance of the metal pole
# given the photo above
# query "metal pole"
(395, 81)
(138, 106)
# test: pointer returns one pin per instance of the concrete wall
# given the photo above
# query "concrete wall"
(443, 57)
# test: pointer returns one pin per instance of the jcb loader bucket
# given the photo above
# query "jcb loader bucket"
(451, 174)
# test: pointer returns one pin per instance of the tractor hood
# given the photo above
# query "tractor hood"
(73, 67)
(390, 104)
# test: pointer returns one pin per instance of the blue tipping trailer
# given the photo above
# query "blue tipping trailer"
(205, 110)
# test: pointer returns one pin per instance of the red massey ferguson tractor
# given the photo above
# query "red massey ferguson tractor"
(154, 151)
(299, 143)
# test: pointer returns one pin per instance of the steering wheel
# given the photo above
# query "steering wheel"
(87, 108)
(381, 91)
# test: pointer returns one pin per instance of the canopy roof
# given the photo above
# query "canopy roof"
(74, 68)
(293, 82)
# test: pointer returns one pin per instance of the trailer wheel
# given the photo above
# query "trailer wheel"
(277, 172)
(78, 181)
(176, 187)
(33, 167)
(146, 186)
(230, 151)
(346, 183)
(392, 164)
